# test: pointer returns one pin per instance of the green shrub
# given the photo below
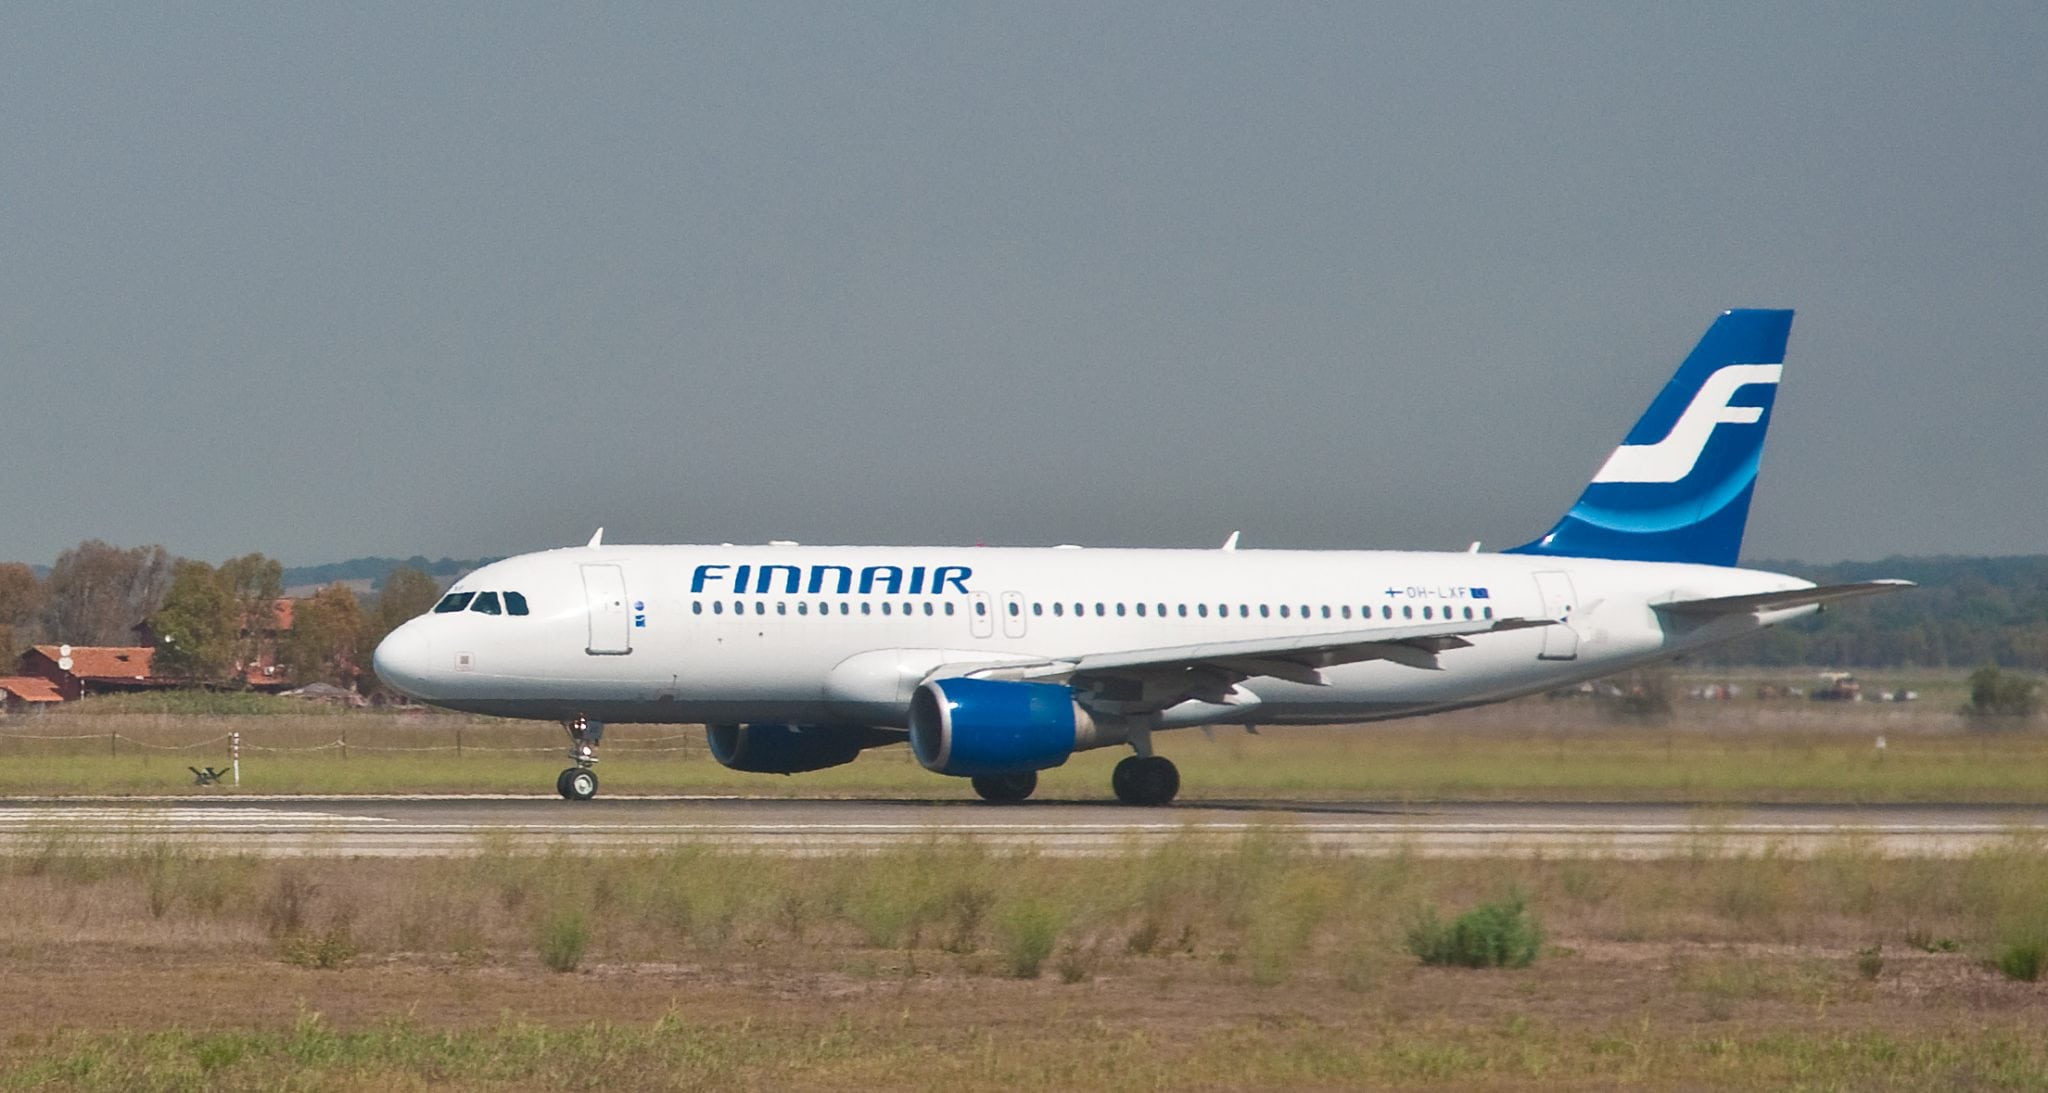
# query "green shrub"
(328, 950)
(564, 935)
(1998, 694)
(1491, 935)
(1027, 931)
(2023, 960)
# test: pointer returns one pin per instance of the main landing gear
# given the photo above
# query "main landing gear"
(1005, 789)
(1145, 780)
(579, 783)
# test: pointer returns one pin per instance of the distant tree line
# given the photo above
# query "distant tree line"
(207, 624)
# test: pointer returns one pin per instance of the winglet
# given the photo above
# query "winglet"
(1231, 543)
(596, 540)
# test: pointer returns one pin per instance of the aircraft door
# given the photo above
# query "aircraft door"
(1560, 642)
(1013, 615)
(611, 624)
(981, 623)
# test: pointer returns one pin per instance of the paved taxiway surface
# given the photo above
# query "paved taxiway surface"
(417, 826)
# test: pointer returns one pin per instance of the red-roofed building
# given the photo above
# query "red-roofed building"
(19, 692)
(80, 670)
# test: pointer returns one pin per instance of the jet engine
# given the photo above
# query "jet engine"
(987, 726)
(792, 749)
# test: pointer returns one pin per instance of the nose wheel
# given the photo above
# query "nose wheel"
(579, 783)
(1145, 780)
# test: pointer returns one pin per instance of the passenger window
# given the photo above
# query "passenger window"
(486, 603)
(1183, 610)
(453, 602)
(1425, 612)
(845, 608)
(697, 607)
(1407, 612)
(1488, 612)
(1014, 611)
(927, 607)
(1468, 612)
(1386, 611)
(949, 608)
(1244, 611)
(1347, 611)
(1304, 611)
(1265, 612)
(980, 609)
(760, 607)
(866, 608)
(885, 608)
(718, 607)
(1038, 609)
(1059, 609)
(802, 608)
(1080, 610)
(1099, 611)
(1119, 610)
(1141, 610)
(781, 608)
(739, 608)
(515, 603)
(1202, 610)
(1283, 611)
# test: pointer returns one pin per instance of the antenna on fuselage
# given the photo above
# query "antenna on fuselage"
(596, 540)
(1231, 543)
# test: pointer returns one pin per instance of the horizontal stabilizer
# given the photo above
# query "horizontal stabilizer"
(1778, 601)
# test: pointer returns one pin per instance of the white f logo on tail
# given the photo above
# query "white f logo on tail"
(1672, 458)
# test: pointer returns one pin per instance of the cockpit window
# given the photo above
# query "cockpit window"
(486, 603)
(453, 602)
(515, 603)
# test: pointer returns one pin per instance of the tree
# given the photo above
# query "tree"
(21, 602)
(407, 592)
(325, 642)
(198, 626)
(97, 592)
(1996, 694)
(256, 583)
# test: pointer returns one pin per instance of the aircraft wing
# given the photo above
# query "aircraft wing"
(1168, 674)
(1778, 601)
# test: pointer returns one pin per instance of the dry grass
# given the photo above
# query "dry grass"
(1258, 963)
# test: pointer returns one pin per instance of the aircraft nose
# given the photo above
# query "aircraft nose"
(404, 659)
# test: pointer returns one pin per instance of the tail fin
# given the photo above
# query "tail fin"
(1678, 488)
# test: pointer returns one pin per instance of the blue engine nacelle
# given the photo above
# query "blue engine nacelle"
(791, 749)
(988, 726)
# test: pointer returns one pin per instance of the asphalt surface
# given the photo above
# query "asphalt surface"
(418, 826)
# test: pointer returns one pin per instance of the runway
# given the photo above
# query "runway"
(450, 825)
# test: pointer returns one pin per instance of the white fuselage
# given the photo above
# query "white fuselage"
(843, 635)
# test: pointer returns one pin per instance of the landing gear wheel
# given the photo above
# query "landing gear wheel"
(1006, 789)
(1148, 781)
(577, 783)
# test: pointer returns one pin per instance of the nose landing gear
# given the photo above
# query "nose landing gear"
(579, 783)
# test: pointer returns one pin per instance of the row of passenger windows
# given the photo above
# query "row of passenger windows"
(483, 603)
(1060, 609)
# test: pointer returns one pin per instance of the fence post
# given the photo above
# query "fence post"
(235, 753)
(113, 745)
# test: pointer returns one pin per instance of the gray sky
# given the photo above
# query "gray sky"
(476, 279)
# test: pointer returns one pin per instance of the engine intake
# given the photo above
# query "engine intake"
(987, 726)
(791, 749)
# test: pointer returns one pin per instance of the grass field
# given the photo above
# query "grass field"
(1708, 752)
(952, 965)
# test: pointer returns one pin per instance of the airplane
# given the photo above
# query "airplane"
(997, 663)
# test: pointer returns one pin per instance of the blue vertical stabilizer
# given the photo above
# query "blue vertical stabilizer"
(1678, 488)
